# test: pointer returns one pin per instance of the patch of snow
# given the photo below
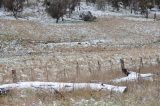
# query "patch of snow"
(155, 9)
(74, 44)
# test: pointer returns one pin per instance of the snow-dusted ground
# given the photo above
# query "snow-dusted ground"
(41, 50)
(30, 45)
(113, 36)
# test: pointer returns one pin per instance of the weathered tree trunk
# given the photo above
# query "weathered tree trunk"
(133, 76)
(56, 86)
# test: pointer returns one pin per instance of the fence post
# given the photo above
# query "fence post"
(140, 64)
(77, 69)
(14, 76)
(99, 66)
(158, 60)
(111, 63)
(124, 70)
(150, 60)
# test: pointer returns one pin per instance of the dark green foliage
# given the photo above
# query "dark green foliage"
(12, 5)
(0, 3)
(87, 16)
(136, 5)
(58, 8)
(115, 4)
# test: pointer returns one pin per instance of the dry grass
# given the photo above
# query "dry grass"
(141, 93)
(105, 28)
(70, 68)
(99, 63)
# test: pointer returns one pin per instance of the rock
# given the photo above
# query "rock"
(3, 91)
(87, 16)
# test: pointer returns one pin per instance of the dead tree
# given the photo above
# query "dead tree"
(124, 70)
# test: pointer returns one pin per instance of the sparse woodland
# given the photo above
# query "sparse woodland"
(58, 8)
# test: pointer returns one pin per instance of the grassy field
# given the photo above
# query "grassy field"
(140, 92)
(80, 52)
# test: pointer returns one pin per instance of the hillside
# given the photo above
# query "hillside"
(39, 49)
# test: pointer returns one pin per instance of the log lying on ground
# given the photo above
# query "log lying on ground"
(134, 76)
(62, 86)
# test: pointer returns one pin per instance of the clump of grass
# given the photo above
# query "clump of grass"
(7, 37)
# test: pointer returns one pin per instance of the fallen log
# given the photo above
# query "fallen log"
(134, 76)
(57, 86)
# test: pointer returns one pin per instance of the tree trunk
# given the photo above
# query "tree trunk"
(57, 86)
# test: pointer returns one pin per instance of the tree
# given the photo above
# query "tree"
(57, 8)
(90, 1)
(115, 4)
(14, 6)
(125, 3)
(101, 4)
(71, 4)
(1, 3)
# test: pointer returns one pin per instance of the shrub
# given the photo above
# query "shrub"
(87, 16)
(13, 5)
(1, 3)
(115, 4)
(57, 8)
(101, 4)
(91, 1)
(72, 4)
